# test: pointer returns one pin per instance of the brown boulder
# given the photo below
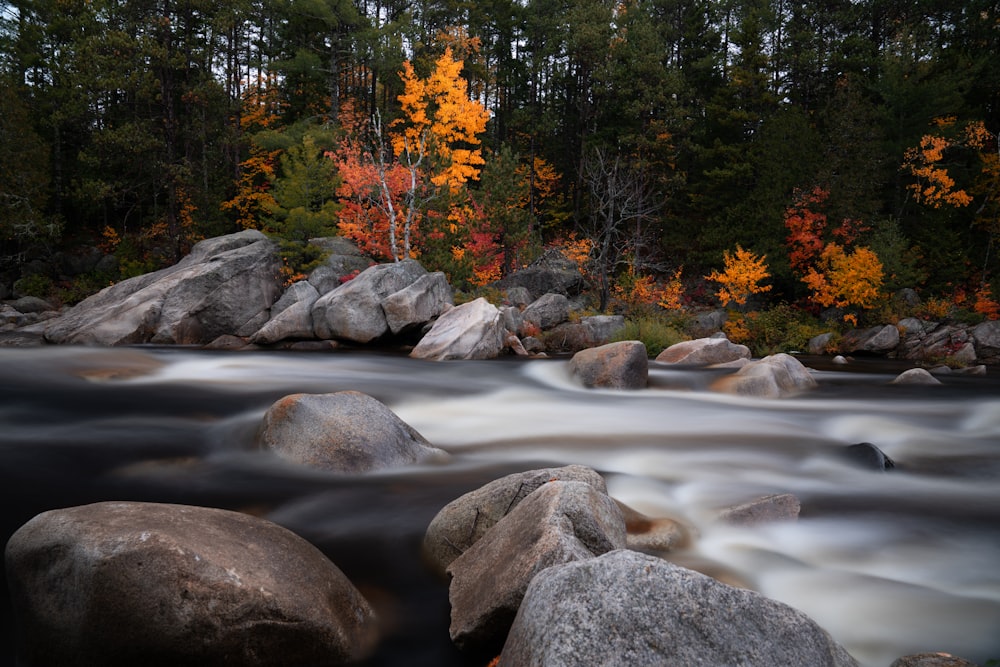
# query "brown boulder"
(120, 583)
(623, 365)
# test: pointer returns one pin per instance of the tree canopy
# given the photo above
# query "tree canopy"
(160, 122)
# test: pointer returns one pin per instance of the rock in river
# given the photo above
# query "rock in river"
(122, 583)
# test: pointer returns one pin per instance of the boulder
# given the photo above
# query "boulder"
(347, 432)
(868, 456)
(473, 330)
(916, 376)
(703, 352)
(353, 311)
(878, 340)
(557, 523)
(125, 583)
(32, 304)
(464, 520)
(291, 316)
(225, 286)
(512, 319)
(624, 607)
(547, 311)
(623, 365)
(552, 272)
(342, 263)
(569, 337)
(987, 340)
(820, 344)
(766, 509)
(705, 324)
(776, 376)
(418, 303)
(517, 296)
(602, 328)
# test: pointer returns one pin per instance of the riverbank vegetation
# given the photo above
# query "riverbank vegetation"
(783, 162)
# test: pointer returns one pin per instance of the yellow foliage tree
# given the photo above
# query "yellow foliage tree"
(742, 276)
(933, 185)
(845, 279)
(442, 119)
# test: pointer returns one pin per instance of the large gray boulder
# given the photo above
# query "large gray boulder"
(291, 316)
(629, 608)
(879, 340)
(418, 303)
(225, 286)
(473, 330)
(776, 376)
(547, 310)
(622, 365)
(920, 376)
(703, 352)
(987, 341)
(346, 432)
(121, 584)
(463, 521)
(353, 311)
(765, 509)
(558, 523)
(552, 272)
(343, 261)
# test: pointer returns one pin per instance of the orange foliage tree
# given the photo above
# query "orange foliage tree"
(389, 183)
(839, 273)
(440, 116)
(260, 110)
(844, 279)
(742, 276)
(933, 185)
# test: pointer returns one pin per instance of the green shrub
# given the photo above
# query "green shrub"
(34, 285)
(655, 333)
(783, 328)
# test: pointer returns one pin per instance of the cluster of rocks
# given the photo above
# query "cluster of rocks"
(950, 345)
(544, 568)
(228, 293)
(625, 365)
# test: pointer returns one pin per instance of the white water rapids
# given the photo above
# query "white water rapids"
(890, 563)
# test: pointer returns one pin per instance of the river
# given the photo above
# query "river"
(890, 563)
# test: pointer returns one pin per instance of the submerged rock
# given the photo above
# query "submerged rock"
(120, 584)
(916, 376)
(867, 455)
(776, 376)
(766, 509)
(346, 432)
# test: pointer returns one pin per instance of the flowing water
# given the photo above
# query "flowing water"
(890, 563)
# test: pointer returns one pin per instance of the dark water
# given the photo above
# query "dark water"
(889, 563)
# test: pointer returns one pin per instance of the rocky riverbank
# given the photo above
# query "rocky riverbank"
(228, 294)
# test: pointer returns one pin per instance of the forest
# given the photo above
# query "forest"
(813, 157)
